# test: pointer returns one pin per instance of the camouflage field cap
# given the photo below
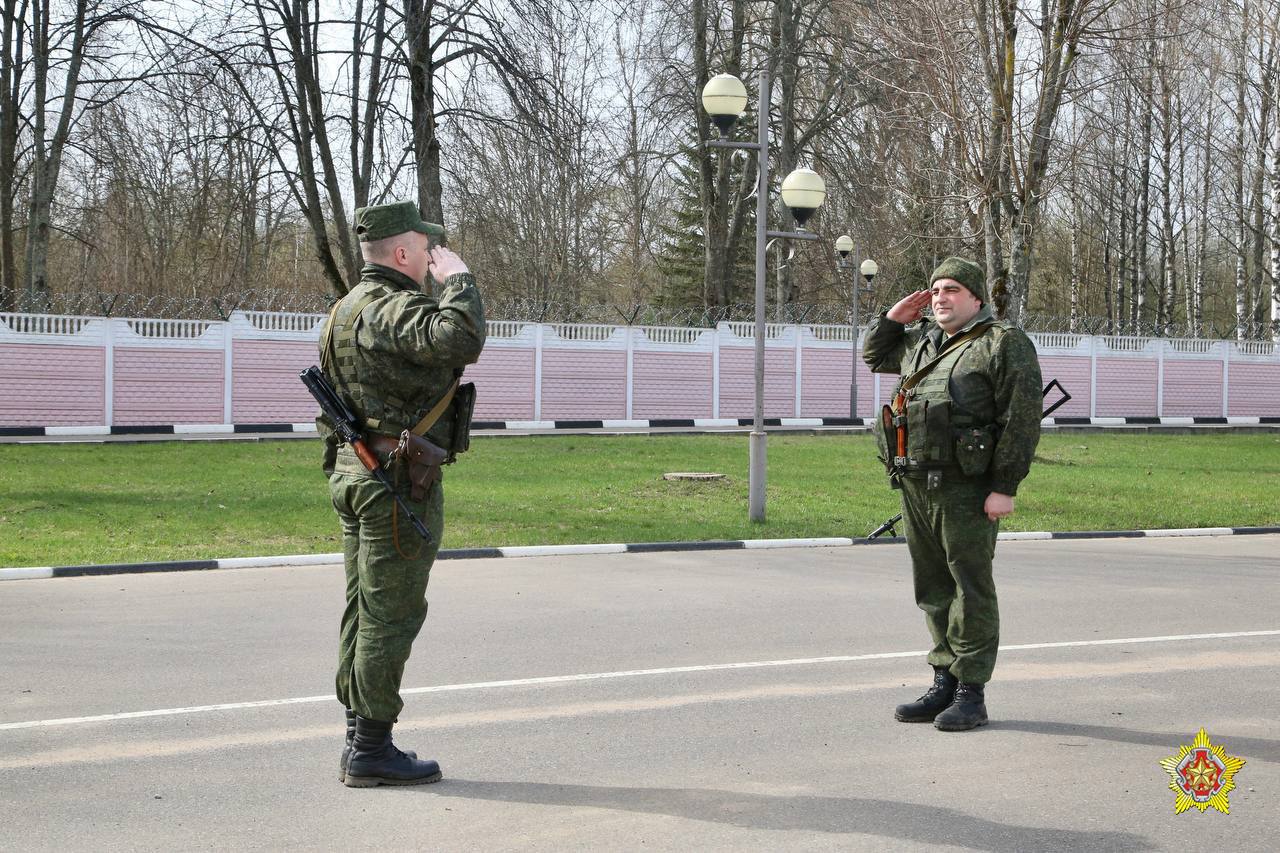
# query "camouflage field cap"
(380, 221)
(964, 271)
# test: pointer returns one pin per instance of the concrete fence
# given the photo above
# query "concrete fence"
(60, 371)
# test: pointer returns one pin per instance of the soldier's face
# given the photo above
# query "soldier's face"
(954, 305)
(416, 257)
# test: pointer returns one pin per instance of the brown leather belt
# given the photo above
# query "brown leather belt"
(382, 446)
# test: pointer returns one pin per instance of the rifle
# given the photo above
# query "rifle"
(892, 523)
(347, 427)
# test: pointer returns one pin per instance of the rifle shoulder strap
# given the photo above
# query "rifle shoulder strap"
(328, 349)
(429, 420)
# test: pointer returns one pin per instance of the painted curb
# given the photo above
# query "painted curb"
(653, 425)
(41, 572)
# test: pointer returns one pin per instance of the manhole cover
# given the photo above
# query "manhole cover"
(692, 475)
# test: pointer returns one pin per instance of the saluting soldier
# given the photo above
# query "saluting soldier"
(395, 353)
(957, 440)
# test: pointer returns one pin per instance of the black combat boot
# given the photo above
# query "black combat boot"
(346, 749)
(937, 697)
(968, 711)
(374, 759)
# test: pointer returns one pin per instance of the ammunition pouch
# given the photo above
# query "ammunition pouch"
(464, 406)
(424, 459)
(974, 448)
(929, 440)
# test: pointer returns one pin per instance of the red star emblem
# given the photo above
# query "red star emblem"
(1201, 774)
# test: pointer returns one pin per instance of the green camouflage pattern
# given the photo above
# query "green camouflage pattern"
(964, 271)
(952, 543)
(380, 221)
(404, 350)
(385, 589)
(995, 381)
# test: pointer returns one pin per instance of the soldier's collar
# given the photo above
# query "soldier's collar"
(984, 315)
(388, 276)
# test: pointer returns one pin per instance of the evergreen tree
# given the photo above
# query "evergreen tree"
(682, 256)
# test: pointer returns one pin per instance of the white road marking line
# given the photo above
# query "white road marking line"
(630, 673)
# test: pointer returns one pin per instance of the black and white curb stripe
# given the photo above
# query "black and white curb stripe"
(38, 572)
(568, 425)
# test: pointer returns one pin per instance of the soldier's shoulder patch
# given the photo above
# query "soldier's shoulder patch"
(1007, 327)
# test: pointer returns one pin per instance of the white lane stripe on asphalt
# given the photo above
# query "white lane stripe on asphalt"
(630, 673)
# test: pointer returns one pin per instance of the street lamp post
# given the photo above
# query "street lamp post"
(725, 98)
(869, 269)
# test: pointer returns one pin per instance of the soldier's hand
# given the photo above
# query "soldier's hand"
(998, 506)
(910, 308)
(444, 263)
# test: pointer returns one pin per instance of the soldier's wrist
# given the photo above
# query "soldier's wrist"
(1003, 487)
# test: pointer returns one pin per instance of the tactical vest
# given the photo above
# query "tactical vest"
(367, 379)
(941, 435)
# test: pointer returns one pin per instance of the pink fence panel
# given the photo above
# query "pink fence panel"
(504, 383)
(1073, 374)
(1192, 388)
(266, 388)
(155, 385)
(738, 384)
(588, 384)
(1126, 387)
(51, 385)
(824, 383)
(671, 385)
(1253, 389)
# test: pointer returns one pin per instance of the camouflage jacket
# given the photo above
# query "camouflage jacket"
(997, 381)
(407, 350)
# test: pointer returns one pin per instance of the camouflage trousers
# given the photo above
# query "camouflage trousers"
(952, 544)
(387, 567)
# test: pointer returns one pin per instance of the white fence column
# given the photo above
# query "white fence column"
(799, 373)
(631, 373)
(537, 371)
(109, 370)
(1160, 348)
(228, 380)
(715, 373)
(1093, 376)
(1226, 370)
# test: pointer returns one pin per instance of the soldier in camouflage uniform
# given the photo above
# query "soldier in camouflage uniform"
(972, 421)
(395, 354)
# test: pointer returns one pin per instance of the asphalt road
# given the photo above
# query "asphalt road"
(663, 747)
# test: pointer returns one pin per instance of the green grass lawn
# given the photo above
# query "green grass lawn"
(105, 503)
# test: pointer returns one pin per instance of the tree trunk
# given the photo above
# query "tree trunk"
(12, 64)
(785, 57)
(47, 152)
(422, 100)
(1242, 121)
(723, 211)
(1142, 219)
